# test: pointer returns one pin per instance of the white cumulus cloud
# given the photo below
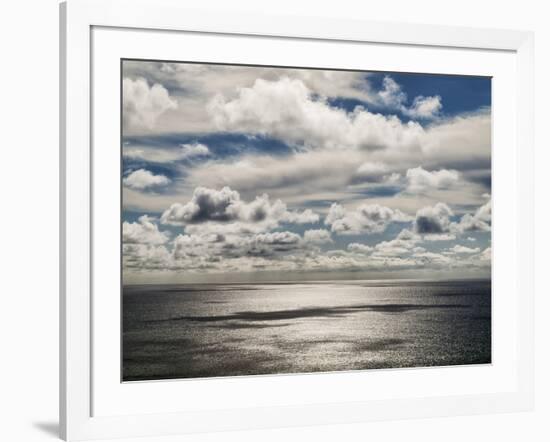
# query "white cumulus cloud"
(425, 107)
(480, 221)
(367, 218)
(144, 231)
(402, 244)
(393, 97)
(286, 109)
(356, 247)
(143, 179)
(420, 180)
(317, 236)
(144, 104)
(193, 150)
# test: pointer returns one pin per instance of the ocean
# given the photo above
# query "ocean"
(204, 330)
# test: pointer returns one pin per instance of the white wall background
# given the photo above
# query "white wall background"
(29, 206)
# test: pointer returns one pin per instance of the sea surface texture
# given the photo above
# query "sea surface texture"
(205, 330)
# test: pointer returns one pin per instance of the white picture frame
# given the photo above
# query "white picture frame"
(77, 377)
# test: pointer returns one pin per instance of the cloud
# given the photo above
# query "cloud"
(367, 218)
(400, 245)
(286, 109)
(462, 142)
(240, 251)
(462, 249)
(409, 236)
(226, 206)
(142, 104)
(321, 174)
(432, 259)
(433, 220)
(422, 181)
(146, 257)
(216, 248)
(440, 237)
(194, 150)
(211, 205)
(317, 236)
(144, 231)
(143, 179)
(297, 177)
(307, 216)
(360, 248)
(155, 154)
(267, 243)
(372, 171)
(425, 107)
(436, 224)
(288, 251)
(393, 97)
(486, 255)
(206, 80)
(193, 85)
(363, 172)
(480, 221)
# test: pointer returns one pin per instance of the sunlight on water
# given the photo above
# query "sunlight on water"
(181, 331)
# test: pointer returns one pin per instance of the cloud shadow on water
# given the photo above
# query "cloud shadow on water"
(244, 325)
(314, 312)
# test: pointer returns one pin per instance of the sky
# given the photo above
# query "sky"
(234, 173)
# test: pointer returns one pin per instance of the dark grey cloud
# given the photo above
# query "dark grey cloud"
(433, 220)
(226, 206)
(482, 177)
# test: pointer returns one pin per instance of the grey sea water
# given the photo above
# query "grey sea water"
(205, 330)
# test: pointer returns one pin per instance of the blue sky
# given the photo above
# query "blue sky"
(268, 171)
(460, 94)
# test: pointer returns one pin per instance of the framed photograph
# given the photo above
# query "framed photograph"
(276, 221)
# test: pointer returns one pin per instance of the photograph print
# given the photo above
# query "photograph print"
(287, 220)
